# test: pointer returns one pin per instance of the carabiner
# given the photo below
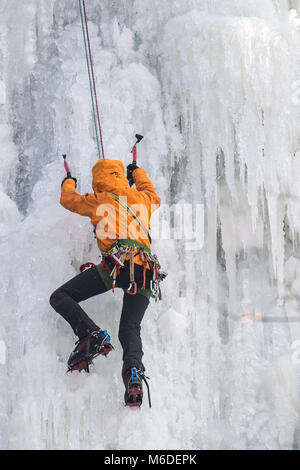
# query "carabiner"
(134, 285)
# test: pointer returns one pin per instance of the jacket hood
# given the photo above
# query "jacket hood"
(109, 175)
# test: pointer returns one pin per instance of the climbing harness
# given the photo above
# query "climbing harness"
(92, 81)
(123, 249)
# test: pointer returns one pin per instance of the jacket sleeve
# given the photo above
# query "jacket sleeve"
(145, 186)
(74, 202)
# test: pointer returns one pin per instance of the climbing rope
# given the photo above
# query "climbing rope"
(90, 67)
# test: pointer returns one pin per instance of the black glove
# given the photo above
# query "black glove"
(69, 178)
(130, 169)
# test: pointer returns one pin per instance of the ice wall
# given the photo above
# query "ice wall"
(214, 86)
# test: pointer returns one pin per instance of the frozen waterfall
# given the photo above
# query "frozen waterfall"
(214, 85)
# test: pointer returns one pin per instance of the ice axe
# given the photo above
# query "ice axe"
(133, 151)
(132, 165)
(66, 166)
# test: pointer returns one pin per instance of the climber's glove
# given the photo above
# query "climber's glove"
(130, 169)
(69, 178)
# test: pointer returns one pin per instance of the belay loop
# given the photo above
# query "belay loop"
(90, 67)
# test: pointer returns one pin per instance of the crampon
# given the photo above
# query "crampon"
(134, 388)
(97, 343)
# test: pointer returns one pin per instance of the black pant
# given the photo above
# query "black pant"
(65, 300)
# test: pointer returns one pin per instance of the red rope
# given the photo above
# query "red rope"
(93, 76)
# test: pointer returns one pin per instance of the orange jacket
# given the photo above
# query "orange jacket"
(110, 219)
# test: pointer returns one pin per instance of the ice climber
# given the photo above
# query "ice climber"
(120, 215)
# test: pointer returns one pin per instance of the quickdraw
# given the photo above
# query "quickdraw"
(120, 251)
(155, 283)
(133, 285)
(144, 264)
